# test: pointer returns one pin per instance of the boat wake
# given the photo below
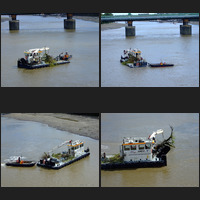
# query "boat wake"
(3, 164)
(14, 158)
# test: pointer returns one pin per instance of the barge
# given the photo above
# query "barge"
(133, 58)
(74, 152)
(39, 57)
(139, 153)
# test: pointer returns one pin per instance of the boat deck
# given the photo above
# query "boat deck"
(63, 164)
(36, 66)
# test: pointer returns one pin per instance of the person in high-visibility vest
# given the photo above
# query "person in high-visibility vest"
(66, 56)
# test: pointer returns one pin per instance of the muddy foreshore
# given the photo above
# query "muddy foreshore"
(77, 124)
(5, 18)
(112, 25)
(86, 18)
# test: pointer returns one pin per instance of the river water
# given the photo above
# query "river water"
(31, 140)
(158, 42)
(183, 160)
(38, 31)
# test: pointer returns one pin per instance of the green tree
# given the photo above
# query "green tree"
(107, 14)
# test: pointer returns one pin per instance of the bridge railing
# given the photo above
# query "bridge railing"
(147, 17)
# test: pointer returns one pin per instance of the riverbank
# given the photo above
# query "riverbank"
(77, 124)
(113, 25)
(87, 18)
(5, 18)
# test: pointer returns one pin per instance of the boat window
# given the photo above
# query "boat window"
(127, 147)
(133, 147)
(147, 146)
(141, 146)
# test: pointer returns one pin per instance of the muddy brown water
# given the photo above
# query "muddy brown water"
(37, 32)
(31, 140)
(158, 42)
(183, 161)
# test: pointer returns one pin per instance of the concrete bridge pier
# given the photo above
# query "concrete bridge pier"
(13, 23)
(185, 29)
(69, 23)
(130, 30)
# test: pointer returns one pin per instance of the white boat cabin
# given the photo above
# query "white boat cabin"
(139, 149)
(135, 52)
(75, 148)
(35, 55)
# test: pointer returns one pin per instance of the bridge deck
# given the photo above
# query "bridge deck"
(147, 18)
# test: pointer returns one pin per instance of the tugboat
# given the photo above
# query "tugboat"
(39, 57)
(74, 152)
(139, 153)
(132, 58)
(21, 163)
(161, 64)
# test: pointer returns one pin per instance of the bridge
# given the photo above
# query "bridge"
(185, 29)
(69, 22)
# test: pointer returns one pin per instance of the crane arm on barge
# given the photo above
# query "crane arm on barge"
(64, 143)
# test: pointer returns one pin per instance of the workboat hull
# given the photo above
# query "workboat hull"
(64, 164)
(133, 65)
(135, 165)
(15, 164)
(41, 65)
(161, 65)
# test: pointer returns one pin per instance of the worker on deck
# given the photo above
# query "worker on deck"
(66, 56)
(18, 161)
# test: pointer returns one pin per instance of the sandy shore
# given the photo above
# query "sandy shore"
(87, 18)
(5, 18)
(77, 124)
(114, 25)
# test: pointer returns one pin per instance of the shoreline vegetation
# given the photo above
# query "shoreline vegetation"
(77, 123)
